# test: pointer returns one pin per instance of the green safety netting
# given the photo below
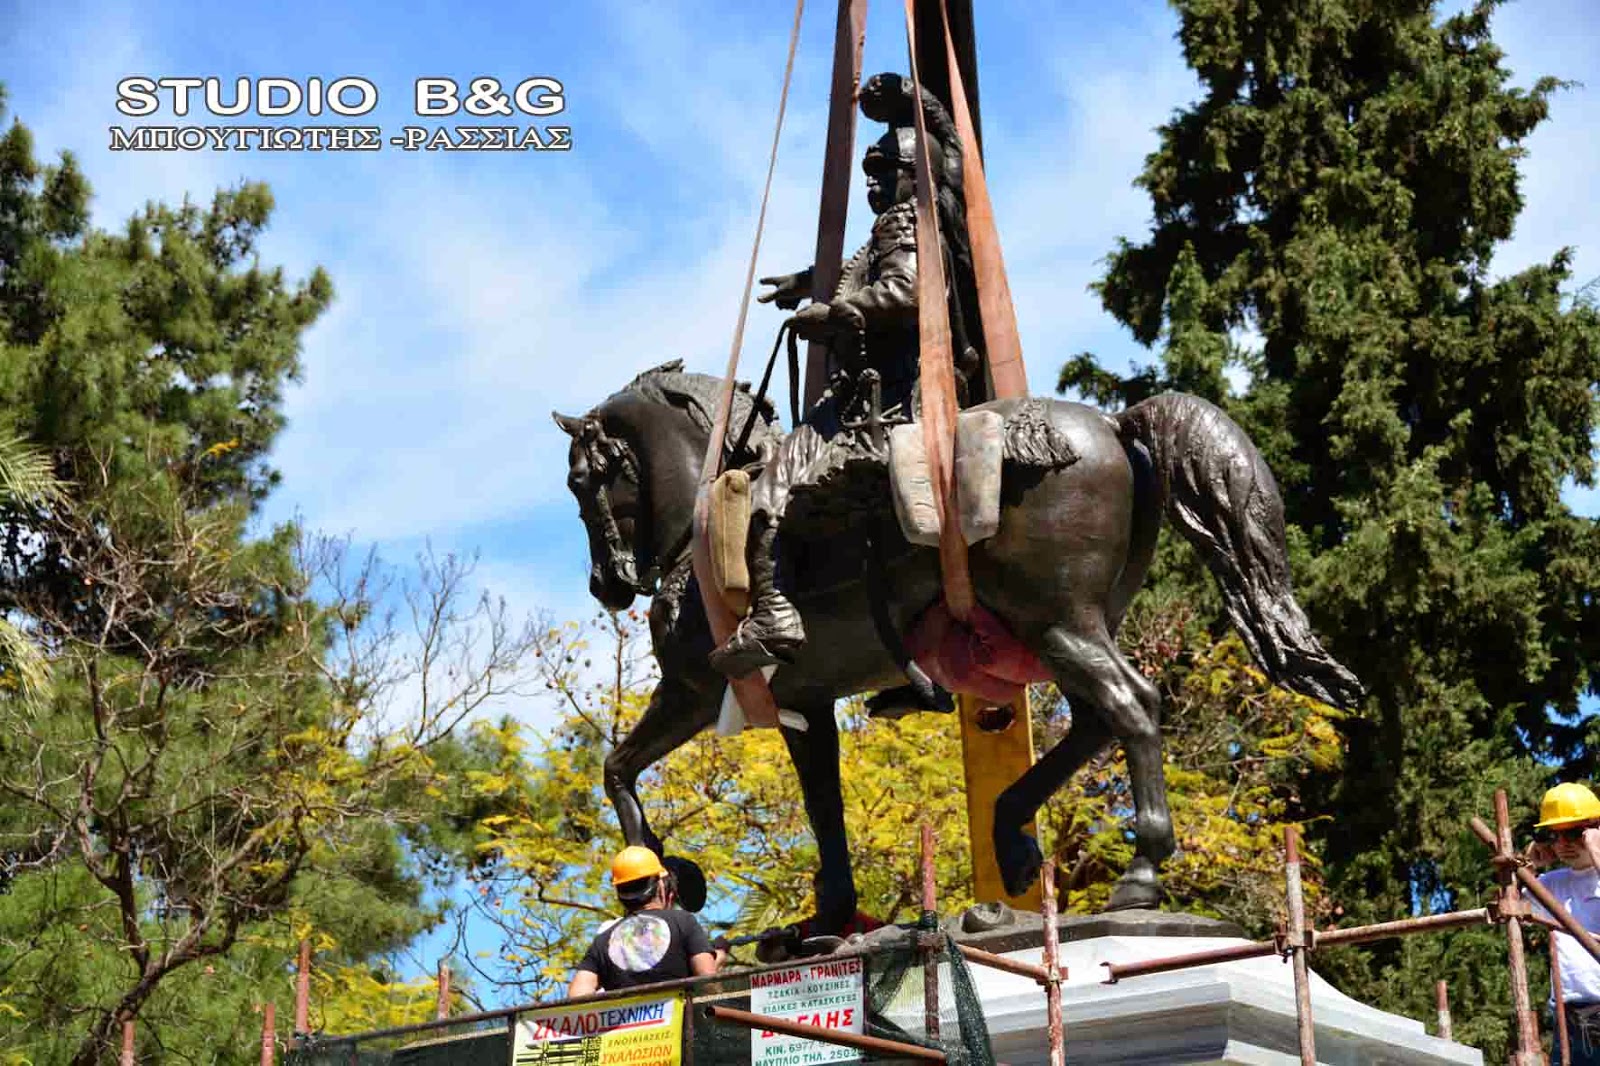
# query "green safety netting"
(471, 1044)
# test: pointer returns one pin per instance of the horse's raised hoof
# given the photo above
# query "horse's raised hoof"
(1019, 859)
(691, 882)
(1137, 889)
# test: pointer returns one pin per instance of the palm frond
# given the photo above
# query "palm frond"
(23, 667)
(761, 909)
(26, 473)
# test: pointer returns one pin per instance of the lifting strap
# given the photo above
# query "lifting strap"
(850, 34)
(1007, 375)
(752, 692)
(1002, 345)
(937, 362)
(992, 760)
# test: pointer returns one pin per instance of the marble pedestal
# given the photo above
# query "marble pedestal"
(1234, 1012)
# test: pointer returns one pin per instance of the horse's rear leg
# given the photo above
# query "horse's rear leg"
(675, 714)
(1094, 675)
(815, 753)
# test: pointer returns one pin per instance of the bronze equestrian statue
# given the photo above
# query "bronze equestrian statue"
(1082, 498)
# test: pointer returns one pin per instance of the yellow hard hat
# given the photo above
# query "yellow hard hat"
(635, 863)
(1568, 804)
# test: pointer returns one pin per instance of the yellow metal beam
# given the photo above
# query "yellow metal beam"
(993, 759)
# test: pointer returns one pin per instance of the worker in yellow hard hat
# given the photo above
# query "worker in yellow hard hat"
(1569, 822)
(652, 941)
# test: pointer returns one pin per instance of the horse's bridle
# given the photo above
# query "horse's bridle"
(609, 457)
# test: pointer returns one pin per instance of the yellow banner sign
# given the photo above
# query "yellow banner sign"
(645, 1031)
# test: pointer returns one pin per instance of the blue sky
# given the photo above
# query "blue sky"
(477, 291)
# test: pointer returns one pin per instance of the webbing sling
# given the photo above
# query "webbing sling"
(1008, 377)
(751, 690)
(850, 34)
(991, 760)
(937, 362)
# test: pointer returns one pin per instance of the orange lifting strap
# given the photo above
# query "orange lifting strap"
(937, 361)
(850, 36)
(1003, 349)
(937, 364)
(1008, 377)
(752, 692)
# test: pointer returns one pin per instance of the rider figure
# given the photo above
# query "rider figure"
(871, 323)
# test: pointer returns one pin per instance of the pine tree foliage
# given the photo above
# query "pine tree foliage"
(213, 738)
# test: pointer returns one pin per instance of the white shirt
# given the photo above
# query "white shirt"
(1579, 892)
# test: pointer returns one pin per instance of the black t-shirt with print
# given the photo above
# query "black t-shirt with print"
(645, 947)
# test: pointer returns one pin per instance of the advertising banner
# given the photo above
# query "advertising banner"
(828, 994)
(646, 1031)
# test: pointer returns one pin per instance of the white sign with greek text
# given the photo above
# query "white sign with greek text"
(829, 994)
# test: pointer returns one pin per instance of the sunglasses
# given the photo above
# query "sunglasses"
(1574, 834)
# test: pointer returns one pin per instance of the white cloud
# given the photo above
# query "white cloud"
(1063, 182)
(94, 54)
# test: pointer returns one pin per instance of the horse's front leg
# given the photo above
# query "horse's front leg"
(815, 753)
(675, 714)
(1016, 850)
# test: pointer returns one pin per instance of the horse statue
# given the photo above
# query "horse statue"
(1073, 547)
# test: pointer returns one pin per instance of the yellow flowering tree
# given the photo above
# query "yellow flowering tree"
(1236, 747)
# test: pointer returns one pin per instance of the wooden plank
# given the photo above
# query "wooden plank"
(838, 166)
(993, 761)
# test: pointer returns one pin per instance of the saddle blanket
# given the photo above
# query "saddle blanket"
(979, 453)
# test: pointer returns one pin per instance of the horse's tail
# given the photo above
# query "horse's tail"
(1218, 490)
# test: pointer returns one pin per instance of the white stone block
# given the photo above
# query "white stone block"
(1233, 1012)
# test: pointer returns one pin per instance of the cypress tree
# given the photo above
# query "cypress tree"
(1324, 220)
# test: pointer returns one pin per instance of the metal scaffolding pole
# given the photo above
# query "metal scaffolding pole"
(1052, 967)
(1299, 944)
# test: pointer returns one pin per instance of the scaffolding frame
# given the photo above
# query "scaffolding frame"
(1294, 941)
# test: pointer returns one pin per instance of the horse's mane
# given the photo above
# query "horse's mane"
(697, 395)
